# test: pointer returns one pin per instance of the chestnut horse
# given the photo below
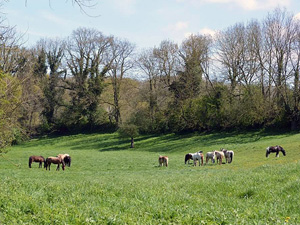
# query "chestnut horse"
(54, 160)
(275, 149)
(163, 160)
(34, 158)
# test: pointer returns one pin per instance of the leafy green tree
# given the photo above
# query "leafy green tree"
(10, 99)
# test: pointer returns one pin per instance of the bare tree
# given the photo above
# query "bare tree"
(148, 64)
(231, 47)
(10, 49)
(279, 34)
(122, 61)
(167, 60)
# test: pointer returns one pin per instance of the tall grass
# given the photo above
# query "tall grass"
(108, 183)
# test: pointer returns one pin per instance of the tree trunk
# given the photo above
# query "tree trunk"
(132, 143)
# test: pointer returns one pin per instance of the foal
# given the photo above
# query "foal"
(163, 160)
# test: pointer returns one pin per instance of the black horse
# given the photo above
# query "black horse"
(188, 157)
(275, 149)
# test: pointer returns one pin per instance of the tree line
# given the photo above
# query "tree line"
(246, 76)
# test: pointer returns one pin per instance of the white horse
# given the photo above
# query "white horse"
(228, 155)
(219, 155)
(198, 156)
(210, 156)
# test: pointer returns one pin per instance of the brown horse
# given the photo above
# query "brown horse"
(66, 158)
(163, 160)
(34, 158)
(54, 160)
(275, 149)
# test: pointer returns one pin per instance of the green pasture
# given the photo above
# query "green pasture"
(109, 183)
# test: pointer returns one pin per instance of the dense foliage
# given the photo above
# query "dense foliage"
(246, 76)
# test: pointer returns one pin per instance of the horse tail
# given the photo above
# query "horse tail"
(30, 161)
(231, 157)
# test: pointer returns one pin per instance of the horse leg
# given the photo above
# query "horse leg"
(277, 154)
(57, 168)
(40, 165)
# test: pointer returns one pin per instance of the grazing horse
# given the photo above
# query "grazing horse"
(228, 155)
(54, 160)
(34, 158)
(219, 155)
(66, 158)
(210, 155)
(198, 156)
(275, 149)
(188, 157)
(163, 160)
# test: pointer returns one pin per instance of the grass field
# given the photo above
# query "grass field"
(109, 183)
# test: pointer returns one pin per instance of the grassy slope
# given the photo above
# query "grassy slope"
(108, 183)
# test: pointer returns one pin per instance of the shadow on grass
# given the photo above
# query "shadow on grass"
(154, 143)
(187, 142)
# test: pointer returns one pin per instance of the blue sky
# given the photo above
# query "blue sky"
(143, 22)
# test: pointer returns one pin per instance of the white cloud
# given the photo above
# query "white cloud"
(54, 19)
(181, 26)
(126, 7)
(297, 16)
(188, 34)
(245, 4)
(208, 31)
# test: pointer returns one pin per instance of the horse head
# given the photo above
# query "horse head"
(282, 150)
